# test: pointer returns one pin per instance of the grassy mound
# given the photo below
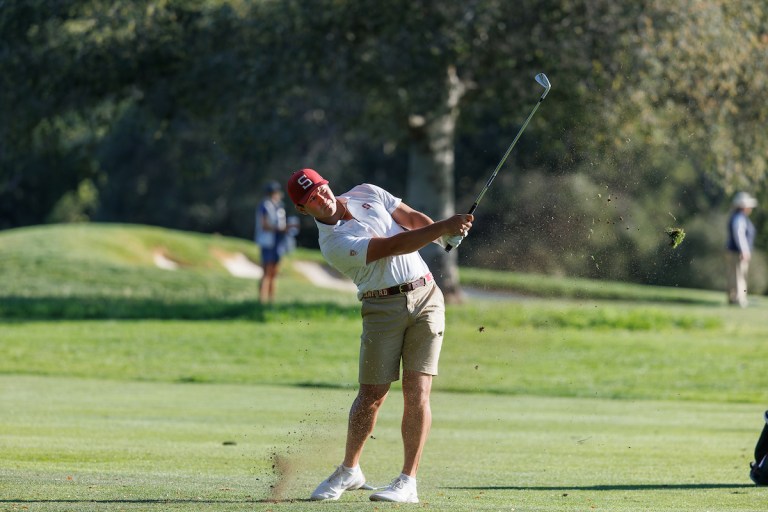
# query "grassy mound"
(87, 271)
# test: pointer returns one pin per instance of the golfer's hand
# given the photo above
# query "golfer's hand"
(460, 224)
(456, 228)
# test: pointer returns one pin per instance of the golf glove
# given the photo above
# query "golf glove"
(452, 240)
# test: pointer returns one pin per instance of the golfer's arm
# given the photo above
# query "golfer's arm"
(422, 231)
(404, 243)
(410, 218)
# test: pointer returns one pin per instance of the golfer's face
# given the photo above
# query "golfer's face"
(322, 202)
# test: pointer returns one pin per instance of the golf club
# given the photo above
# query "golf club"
(542, 79)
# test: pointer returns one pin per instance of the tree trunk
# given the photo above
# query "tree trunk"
(430, 179)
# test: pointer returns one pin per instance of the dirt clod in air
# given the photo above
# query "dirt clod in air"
(676, 236)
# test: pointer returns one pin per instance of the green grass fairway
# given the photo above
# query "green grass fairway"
(125, 387)
(86, 444)
(547, 348)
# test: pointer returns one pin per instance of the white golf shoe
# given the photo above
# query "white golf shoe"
(340, 480)
(399, 491)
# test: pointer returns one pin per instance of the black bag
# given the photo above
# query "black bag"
(758, 470)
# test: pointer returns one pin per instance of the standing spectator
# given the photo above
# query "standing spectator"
(741, 240)
(271, 229)
(373, 238)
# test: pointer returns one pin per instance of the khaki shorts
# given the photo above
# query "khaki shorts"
(408, 326)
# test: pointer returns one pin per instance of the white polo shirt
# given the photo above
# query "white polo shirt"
(345, 245)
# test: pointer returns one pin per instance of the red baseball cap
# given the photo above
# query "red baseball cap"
(302, 183)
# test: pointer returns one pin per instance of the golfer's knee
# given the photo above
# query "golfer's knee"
(372, 396)
(416, 396)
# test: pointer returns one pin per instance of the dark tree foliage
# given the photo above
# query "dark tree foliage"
(175, 113)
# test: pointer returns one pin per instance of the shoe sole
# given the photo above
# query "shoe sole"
(313, 498)
(388, 500)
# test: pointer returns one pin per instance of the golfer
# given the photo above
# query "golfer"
(373, 238)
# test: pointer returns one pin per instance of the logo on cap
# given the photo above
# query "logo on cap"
(304, 182)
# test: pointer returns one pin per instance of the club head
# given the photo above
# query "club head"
(544, 82)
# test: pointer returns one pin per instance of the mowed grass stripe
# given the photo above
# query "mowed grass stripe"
(588, 349)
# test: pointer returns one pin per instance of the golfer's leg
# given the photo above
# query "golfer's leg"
(362, 419)
(417, 418)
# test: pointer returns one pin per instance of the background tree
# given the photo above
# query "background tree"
(176, 113)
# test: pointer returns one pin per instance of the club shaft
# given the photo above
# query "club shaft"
(501, 163)
(504, 158)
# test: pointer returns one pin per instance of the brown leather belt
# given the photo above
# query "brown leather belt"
(400, 288)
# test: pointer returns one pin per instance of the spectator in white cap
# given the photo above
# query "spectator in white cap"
(741, 241)
(373, 237)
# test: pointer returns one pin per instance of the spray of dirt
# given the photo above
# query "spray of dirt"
(307, 440)
(284, 470)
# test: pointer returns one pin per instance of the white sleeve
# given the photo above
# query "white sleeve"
(389, 201)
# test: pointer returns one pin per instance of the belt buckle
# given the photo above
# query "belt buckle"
(402, 288)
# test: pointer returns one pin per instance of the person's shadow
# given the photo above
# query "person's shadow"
(627, 487)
